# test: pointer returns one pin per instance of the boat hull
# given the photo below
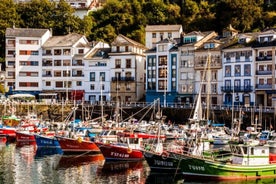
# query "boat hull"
(46, 141)
(8, 131)
(194, 167)
(24, 137)
(113, 152)
(75, 146)
(163, 163)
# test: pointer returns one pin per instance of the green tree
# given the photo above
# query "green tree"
(8, 18)
(36, 14)
(241, 14)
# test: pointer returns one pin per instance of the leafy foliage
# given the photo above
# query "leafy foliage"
(129, 17)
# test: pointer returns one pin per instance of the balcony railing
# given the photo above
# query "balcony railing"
(263, 86)
(78, 75)
(264, 58)
(263, 72)
(122, 78)
(235, 89)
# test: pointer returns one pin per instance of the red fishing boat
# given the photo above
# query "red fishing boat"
(26, 133)
(77, 145)
(128, 146)
(9, 132)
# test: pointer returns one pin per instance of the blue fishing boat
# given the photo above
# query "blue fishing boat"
(46, 141)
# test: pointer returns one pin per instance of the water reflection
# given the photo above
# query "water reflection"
(123, 172)
(24, 163)
(68, 161)
(159, 178)
(44, 151)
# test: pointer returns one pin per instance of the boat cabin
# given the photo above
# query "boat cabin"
(250, 155)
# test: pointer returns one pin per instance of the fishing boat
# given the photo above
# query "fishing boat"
(48, 141)
(9, 132)
(46, 151)
(25, 133)
(246, 162)
(77, 145)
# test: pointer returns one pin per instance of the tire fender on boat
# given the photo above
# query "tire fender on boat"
(165, 155)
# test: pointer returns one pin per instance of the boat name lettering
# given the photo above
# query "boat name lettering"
(122, 155)
(46, 142)
(162, 163)
(196, 168)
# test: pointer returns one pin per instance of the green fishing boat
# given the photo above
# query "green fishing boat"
(246, 162)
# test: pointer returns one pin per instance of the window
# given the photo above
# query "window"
(247, 83)
(78, 83)
(227, 71)
(57, 73)
(66, 73)
(81, 51)
(237, 70)
(126, 48)
(66, 62)
(183, 76)
(57, 62)
(162, 61)
(128, 63)
(153, 35)
(66, 52)
(92, 76)
(128, 87)
(12, 52)
(34, 53)
(173, 85)
(247, 70)
(59, 84)
(117, 63)
(48, 83)
(92, 86)
(169, 35)
(102, 76)
(57, 52)
(102, 87)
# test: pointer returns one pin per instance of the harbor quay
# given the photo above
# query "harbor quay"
(175, 113)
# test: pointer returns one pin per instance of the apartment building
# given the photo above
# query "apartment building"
(156, 33)
(264, 55)
(62, 65)
(24, 59)
(97, 67)
(127, 62)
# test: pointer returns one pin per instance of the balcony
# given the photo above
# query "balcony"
(263, 72)
(78, 75)
(263, 86)
(46, 75)
(230, 89)
(122, 78)
(264, 58)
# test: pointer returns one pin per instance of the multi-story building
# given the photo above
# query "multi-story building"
(24, 59)
(127, 62)
(161, 68)
(208, 70)
(238, 71)
(62, 65)
(156, 33)
(97, 67)
(188, 84)
(264, 50)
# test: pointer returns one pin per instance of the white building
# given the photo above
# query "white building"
(97, 74)
(62, 65)
(24, 58)
(156, 33)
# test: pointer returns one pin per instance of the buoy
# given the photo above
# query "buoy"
(129, 150)
(79, 139)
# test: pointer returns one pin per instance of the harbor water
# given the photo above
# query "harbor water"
(26, 164)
